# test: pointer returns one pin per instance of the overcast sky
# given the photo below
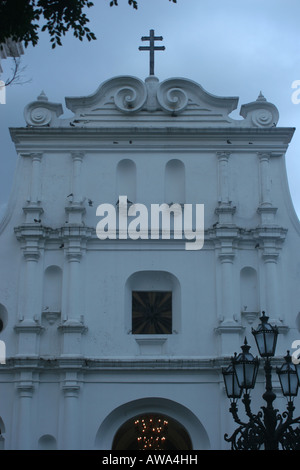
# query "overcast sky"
(230, 47)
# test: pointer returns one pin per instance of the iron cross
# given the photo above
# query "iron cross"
(152, 47)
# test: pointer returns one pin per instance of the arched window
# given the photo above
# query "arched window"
(126, 179)
(175, 182)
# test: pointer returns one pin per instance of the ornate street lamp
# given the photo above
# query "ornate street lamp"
(245, 367)
(266, 337)
(288, 378)
(267, 429)
(233, 390)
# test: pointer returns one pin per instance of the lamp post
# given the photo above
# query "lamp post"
(268, 429)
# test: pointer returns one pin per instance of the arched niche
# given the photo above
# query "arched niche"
(2, 432)
(181, 418)
(126, 179)
(160, 283)
(175, 182)
(298, 321)
(52, 293)
(47, 442)
(3, 317)
(249, 294)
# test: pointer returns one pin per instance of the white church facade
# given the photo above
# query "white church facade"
(103, 332)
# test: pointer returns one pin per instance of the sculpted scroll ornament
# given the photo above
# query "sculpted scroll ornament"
(42, 112)
(260, 113)
(262, 118)
(172, 99)
(38, 116)
(131, 98)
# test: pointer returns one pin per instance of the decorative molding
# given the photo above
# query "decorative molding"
(229, 327)
(41, 112)
(250, 317)
(71, 389)
(171, 98)
(25, 389)
(226, 257)
(260, 113)
(225, 212)
(75, 208)
(114, 363)
(74, 256)
(130, 99)
(151, 345)
(77, 155)
(267, 211)
(33, 209)
(29, 326)
(128, 94)
(32, 236)
(51, 316)
(31, 254)
(72, 326)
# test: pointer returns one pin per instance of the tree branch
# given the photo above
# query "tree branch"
(17, 73)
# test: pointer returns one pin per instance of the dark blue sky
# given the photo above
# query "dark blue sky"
(232, 48)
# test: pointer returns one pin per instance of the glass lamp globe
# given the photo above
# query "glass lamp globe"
(245, 367)
(266, 337)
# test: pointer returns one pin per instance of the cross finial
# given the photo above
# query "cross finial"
(152, 38)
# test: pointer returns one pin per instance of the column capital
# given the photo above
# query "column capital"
(264, 156)
(71, 389)
(25, 389)
(74, 256)
(270, 257)
(223, 155)
(31, 255)
(36, 156)
(226, 257)
(77, 155)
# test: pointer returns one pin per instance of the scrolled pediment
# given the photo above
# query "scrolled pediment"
(175, 101)
(128, 95)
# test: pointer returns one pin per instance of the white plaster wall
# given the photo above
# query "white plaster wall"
(99, 388)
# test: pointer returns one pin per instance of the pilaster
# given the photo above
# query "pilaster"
(225, 209)
(271, 240)
(73, 327)
(229, 327)
(25, 389)
(71, 390)
(29, 326)
(75, 210)
(266, 210)
(33, 210)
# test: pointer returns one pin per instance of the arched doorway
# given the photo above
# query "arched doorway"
(117, 430)
(152, 431)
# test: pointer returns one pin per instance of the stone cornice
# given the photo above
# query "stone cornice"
(270, 233)
(78, 238)
(218, 135)
(107, 364)
(86, 364)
